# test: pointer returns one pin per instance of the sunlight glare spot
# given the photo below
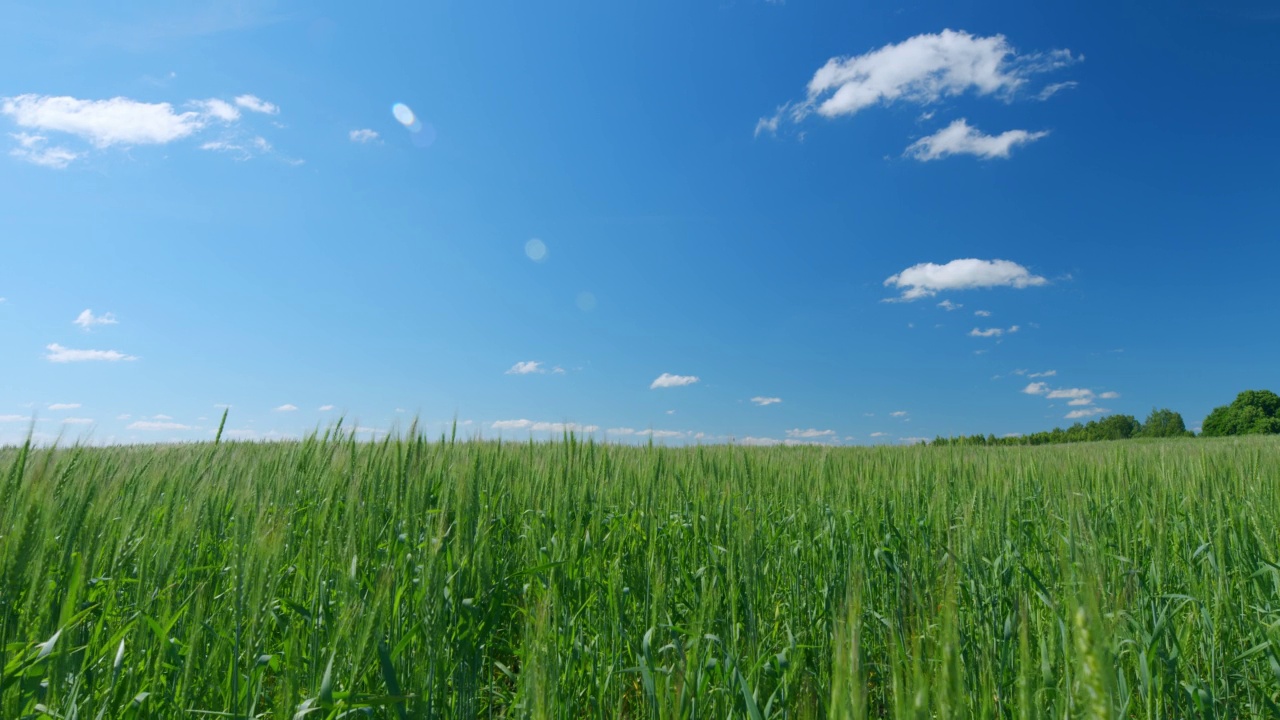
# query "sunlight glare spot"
(586, 301)
(404, 115)
(536, 250)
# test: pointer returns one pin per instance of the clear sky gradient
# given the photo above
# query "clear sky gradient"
(747, 216)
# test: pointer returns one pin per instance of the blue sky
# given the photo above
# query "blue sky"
(755, 220)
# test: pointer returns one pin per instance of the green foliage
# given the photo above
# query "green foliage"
(1254, 412)
(407, 578)
(1112, 427)
(1164, 423)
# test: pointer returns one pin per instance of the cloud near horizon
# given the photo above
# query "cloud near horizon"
(60, 354)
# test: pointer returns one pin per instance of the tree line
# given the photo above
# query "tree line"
(1253, 412)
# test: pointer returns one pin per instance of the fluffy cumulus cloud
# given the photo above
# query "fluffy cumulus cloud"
(326, 408)
(667, 380)
(287, 407)
(763, 401)
(218, 109)
(920, 70)
(122, 121)
(542, 426)
(960, 138)
(363, 136)
(1082, 398)
(117, 121)
(982, 313)
(528, 367)
(253, 103)
(87, 319)
(60, 354)
(928, 279)
(949, 306)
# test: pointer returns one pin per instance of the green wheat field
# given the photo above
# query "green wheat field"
(421, 577)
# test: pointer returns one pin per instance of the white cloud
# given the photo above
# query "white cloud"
(989, 332)
(60, 354)
(1051, 90)
(363, 135)
(287, 407)
(87, 319)
(667, 380)
(927, 279)
(762, 441)
(557, 370)
(949, 306)
(253, 103)
(898, 413)
(64, 406)
(620, 431)
(923, 70)
(118, 121)
(218, 109)
(231, 434)
(555, 427)
(879, 434)
(1085, 412)
(982, 313)
(1069, 393)
(77, 421)
(763, 401)
(123, 416)
(526, 368)
(662, 434)
(1036, 388)
(161, 417)
(1081, 401)
(14, 418)
(152, 425)
(795, 433)
(326, 408)
(1109, 395)
(1046, 373)
(32, 149)
(959, 138)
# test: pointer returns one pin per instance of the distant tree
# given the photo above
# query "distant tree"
(1254, 412)
(1115, 427)
(1164, 423)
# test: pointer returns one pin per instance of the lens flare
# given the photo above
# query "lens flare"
(404, 115)
(536, 250)
(586, 301)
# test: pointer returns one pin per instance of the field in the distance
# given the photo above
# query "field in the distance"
(418, 578)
